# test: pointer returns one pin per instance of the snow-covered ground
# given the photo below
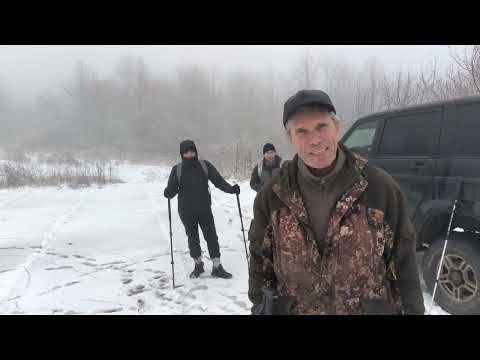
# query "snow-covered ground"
(107, 250)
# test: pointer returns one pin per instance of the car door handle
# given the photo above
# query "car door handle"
(417, 166)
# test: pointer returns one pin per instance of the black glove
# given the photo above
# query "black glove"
(168, 195)
(235, 189)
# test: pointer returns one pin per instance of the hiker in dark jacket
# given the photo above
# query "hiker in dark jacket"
(189, 179)
(331, 233)
(268, 167)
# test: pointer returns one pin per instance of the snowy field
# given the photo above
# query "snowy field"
(107, 250)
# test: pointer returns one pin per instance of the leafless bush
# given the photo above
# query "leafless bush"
(16, 174)
(63, 158)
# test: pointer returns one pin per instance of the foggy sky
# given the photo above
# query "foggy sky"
(27, 71)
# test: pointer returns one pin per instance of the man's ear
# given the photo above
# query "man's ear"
(288, 134)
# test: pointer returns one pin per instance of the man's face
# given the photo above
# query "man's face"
(270, 155)
(314, 137)
(189, 154)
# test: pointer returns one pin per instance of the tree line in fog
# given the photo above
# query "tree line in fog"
(135, 112)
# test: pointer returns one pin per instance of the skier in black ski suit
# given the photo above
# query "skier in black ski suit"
(269, 167)
(190, 182)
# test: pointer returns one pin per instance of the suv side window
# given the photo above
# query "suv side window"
(361, 138)
(462, 133)
(410, 135)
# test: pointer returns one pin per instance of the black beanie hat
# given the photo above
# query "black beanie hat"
(268, 147)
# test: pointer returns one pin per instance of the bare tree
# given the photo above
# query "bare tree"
(468, 61)
(307, 70)
(367, 89)
(400, 90)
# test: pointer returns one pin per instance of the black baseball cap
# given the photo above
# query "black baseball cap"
(306, 98)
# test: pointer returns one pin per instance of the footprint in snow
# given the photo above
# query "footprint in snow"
(72, 312)
(242, 304)
(59, 268)
(126, 281)
(199, 287)
(108, 310)
(201, 308)
(159, 294)
(136, 290)
(99, 267)
(6, 270)
(51, 253)
(112, 263)
(50, 290)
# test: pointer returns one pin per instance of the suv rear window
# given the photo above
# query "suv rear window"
(462, 132)
(410, 135)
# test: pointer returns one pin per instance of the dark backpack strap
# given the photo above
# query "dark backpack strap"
(178, 169)
(204, 166)
(260, 168)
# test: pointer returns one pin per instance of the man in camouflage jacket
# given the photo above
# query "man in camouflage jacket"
(330, 233)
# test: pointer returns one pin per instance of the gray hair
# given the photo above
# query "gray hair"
(336, 120)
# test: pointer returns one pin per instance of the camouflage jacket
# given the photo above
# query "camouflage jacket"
(368, 265)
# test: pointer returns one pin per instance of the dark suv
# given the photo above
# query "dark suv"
(433, 152)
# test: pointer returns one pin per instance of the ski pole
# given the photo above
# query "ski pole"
(243, 230)
(454, 206)
(171, 242)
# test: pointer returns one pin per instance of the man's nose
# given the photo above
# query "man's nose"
(315, 140)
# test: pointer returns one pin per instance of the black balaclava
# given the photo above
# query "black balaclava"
(188, 145)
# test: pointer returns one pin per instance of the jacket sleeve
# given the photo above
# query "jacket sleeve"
(256, 234)
(173, 186)
(404, 258)
(255, 182)
(217, 179)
